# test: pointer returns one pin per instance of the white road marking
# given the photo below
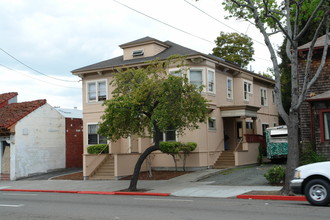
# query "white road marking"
(13, 206)
(4, 187)
(171, 200)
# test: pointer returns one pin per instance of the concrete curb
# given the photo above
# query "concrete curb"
(88, 192)
(272, 197)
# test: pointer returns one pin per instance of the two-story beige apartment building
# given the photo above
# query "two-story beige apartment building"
(240, 103)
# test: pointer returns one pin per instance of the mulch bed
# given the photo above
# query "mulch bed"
(156, 175)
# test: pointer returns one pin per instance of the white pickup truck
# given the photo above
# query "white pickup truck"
(313, 180)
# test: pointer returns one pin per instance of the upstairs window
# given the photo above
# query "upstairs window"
(196, 77)
(168, 135)
(211, 81)
(325, 125)
(247, 89)
(263, 96)
(94, 137)
(229, 88)
(137, 53)
(212, 124)
(96, 91)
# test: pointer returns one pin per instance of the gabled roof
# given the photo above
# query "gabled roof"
(12, 113)
(173, 49)
(7, 96)
(319, 44)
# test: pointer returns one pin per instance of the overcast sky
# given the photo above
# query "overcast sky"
(42, 41)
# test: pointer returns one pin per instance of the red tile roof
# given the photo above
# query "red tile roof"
(12, 113)
(4, 97)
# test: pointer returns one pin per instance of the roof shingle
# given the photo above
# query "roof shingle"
(12, 113)
(4, 97)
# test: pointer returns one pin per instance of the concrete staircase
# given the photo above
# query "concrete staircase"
(106, 170)
(4, 177)
(225, 160)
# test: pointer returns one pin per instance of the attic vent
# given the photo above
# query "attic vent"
(137, 53)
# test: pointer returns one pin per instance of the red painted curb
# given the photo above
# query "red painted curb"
(141, 194)
(272, 197)
(89, 192)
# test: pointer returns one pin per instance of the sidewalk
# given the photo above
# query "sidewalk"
(184, 186)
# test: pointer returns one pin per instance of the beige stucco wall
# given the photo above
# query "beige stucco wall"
(149, 50)
(247, 157)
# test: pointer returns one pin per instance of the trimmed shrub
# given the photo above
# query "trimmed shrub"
(98, 148)
(275, 175)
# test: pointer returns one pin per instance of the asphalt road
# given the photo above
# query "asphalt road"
(15, 206)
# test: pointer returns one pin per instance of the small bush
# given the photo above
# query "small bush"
(170, 147)
(188, 147)
(275, 175)
(98, 148)
(309, 155)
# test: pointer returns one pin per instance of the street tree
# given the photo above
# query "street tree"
(272, 17)
(234, 47)
(148, 101)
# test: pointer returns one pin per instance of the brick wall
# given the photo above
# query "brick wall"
(74, 142)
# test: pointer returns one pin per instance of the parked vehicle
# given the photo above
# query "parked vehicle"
(313, 180)
(277, 142)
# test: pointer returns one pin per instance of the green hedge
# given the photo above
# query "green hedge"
(98, 148)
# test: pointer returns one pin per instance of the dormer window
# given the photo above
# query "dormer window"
(137, 53)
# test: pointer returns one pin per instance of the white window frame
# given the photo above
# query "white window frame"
(246, 94)
(203, 76)
(263, 97)
(96, 82)
(214, 123)
(212, 72)
(230, 92)
(98, 136)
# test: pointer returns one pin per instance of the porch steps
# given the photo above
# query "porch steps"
(4, 177)
(105, 171)
(226, 159)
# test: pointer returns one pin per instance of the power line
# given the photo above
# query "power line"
(37, 78)
(171, 26)
(220, 21)
(64, 80)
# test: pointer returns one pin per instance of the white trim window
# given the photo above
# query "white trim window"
(196, 77)
(212, 125)
(263, 97)
(93, 136)
(247, 88)
(229, 88)
(211, 81)
(96, 91)
(168, 135)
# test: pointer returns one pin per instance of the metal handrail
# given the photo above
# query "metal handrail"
(87, 165)
(240, 141)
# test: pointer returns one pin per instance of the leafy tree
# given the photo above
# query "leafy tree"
(270, 18)
(234, 47)
(149, 101)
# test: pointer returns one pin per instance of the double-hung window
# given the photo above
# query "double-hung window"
(96, 91)
(94, 137)
(325, 125)
(168, 135)
(247, 89)
(211, 81)
(196, 77)
(263, 96)
(229, 88)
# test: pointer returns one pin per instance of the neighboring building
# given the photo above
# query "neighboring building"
(315, 111)
(34, 138)
(240, 103)
(73, 137)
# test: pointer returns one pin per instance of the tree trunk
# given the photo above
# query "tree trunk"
(293, 150)
(132, 186)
